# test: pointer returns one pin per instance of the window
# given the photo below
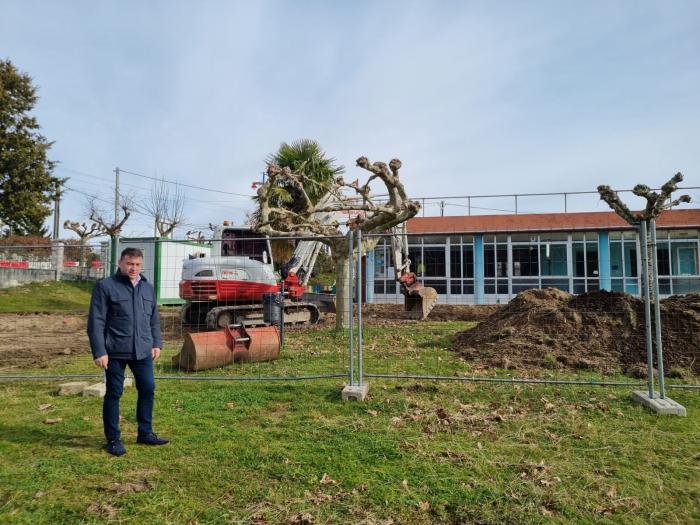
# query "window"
(685, 258)
(525, 262)
(495, 260)
(553, 257)
(434, 261)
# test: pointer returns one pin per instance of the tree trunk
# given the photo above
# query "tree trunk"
(342, 292)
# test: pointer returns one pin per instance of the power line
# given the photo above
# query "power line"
(184, 185)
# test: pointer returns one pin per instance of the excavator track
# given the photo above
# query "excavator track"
(252, 315)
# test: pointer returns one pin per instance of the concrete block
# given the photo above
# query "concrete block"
(96, 390)
(71, 389)
(666, 406)
(355, 392)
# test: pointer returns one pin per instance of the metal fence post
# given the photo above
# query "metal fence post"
(647, 305)
(359, 307)
(657, 311)
(351, 343)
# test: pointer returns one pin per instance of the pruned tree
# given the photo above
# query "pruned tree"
(166, 207)
(109, 227)
(656, 203)
(304, 220)
(84, 233)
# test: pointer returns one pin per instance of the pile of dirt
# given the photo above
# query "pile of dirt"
(598, 330)
(392, 314)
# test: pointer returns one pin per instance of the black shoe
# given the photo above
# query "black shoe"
(116, 447)
(151, 439)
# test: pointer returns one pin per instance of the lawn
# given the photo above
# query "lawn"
(292, 452)
(62, 296)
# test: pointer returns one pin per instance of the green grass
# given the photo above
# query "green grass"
(62, 296)
(416, 452)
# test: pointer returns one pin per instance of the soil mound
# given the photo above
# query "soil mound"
(598, 330)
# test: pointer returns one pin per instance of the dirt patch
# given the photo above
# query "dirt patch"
(392, 314)
(37, 339)
(599, 330)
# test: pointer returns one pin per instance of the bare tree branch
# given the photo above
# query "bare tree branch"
(656, 202)
(109, 227)
(166, 207)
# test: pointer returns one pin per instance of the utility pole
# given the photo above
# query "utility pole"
(442, 208)
(116, 196)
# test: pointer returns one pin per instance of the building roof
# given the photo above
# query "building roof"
(606, 220)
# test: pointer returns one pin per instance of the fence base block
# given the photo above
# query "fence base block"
(666, 406)
(355, 392)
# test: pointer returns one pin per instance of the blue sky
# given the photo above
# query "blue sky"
(474, 97)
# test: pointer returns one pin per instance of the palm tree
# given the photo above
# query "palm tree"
(305, 156)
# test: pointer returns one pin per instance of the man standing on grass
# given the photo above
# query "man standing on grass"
(124, 329)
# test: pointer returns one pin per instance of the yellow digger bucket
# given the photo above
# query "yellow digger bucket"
(233, 344)
(419, 300)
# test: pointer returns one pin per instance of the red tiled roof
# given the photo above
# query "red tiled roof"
(606, 220)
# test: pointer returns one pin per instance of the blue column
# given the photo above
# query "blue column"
(604, 261)
(479, 268)
(369, 277)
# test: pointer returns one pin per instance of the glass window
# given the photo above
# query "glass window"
(553, 257)
(562, 284)
(685, 258)
(579, 260)
(379, 262)
(630, 259)
(523, 237)
(525, 261)
(414, 254)
(440, 285)
(592, 259)
(663, 258)
(461, 261)
(434, 261)
(553, 237)
(435, 239)
(524, 284)
(616, 259)
(455, 261)
(495, 260)
(468, 261)
(684, 234)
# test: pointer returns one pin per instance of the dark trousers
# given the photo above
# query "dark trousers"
(146, 386)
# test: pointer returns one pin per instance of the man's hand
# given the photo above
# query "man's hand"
(155, 353)
(102, 362)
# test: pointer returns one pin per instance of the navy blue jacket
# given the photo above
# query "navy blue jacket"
(123, 321)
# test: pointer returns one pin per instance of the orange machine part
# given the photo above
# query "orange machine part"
(235, 344)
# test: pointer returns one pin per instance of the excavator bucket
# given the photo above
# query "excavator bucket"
(419, 300)
(203, 350)
(233, 344)
(251, 345)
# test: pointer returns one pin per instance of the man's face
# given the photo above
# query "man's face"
(131, 266)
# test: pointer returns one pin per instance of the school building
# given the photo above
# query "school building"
(487, 259)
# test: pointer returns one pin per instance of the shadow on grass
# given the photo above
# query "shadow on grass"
(52, 437)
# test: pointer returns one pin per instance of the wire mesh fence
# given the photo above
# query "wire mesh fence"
(244, 307)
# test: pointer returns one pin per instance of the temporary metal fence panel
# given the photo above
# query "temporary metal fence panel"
(43, 329)
(542, 334)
